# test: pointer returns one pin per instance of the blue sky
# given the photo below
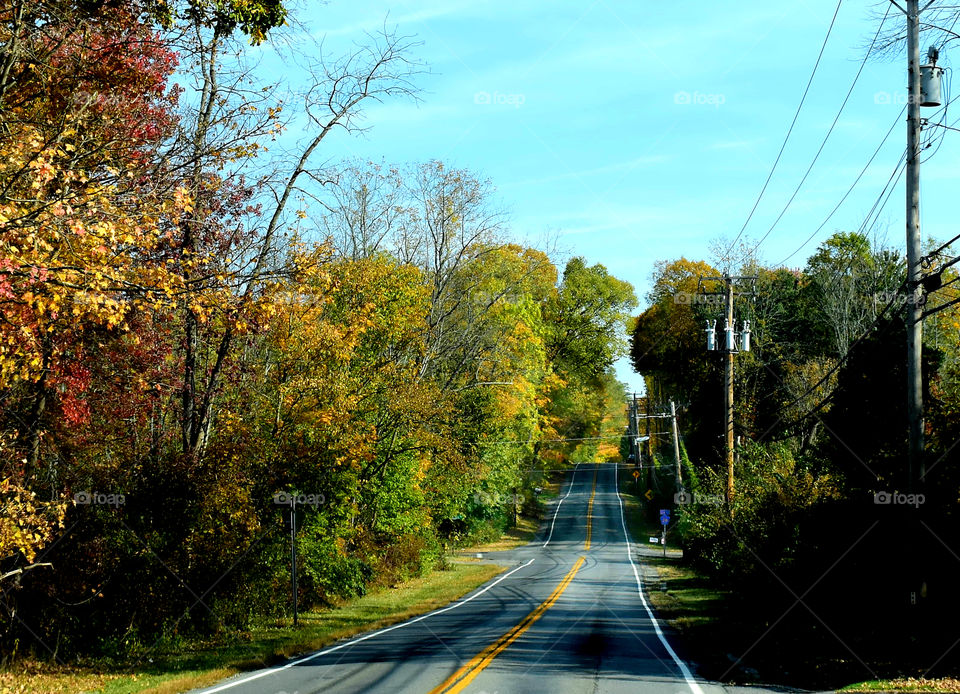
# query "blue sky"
(639, 131)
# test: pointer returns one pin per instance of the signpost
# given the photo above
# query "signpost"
(292, 523)
(664, 522)
(290, 515)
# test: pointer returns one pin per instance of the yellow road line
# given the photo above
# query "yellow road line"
(465, 675)
(586, 545)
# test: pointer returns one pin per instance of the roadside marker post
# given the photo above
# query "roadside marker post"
(293, 520)
(664, 522)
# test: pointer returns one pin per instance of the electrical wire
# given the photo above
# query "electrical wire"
(943, 247)
(796, 116)
(874, 214)
(881, 201)
(875, 211)
(866, 224)
(531, 441)
(826, 137)
(893, 178)
(897, 173)
(849, 191)
(836, 367)
(877, 207)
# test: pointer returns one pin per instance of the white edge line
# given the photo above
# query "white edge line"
(684, 670)
(557, 510)
(354, 641)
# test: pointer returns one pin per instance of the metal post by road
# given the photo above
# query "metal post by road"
(293, 558)
(915, 466)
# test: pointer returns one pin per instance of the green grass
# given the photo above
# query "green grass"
(522, 534)
(906, 685)
(633, 505)
(200, 664)
(689, 600)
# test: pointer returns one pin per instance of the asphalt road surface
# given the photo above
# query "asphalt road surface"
(568, 616)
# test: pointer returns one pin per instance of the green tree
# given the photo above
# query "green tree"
(587, 320)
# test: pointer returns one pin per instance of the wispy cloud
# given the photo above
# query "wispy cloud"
(406, 19)
(628, 165)
(734, 144)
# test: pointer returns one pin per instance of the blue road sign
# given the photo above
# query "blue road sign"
(664, 516)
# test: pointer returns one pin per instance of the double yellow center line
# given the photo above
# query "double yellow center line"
(459, 680)
(466, 674)
(586, 545)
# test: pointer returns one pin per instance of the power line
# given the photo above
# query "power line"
(943, 247)
(897, 172)
(792, 124)
(531, 441)
(895, 177)
(826, 137)
(887, 191)
(843, 360)
(941, 307)
(849, 190)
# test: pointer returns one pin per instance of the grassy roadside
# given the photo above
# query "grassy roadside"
(527, 524)
(905, 685)
(522, 534)
(191, 665)
(633, 505)
(715, 630)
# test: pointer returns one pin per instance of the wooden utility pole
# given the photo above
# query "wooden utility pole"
(915, 466)
(728, 388)
(676, 445)
(730, 346)
(649, 446)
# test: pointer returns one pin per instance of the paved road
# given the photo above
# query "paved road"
(569, 616)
